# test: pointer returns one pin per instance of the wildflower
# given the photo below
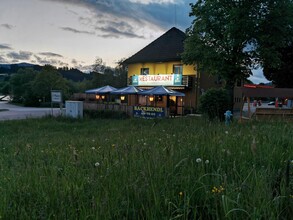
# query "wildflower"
(144, 144)
(198, 160)
(93, 148)
(113, 145)
(180, 193)
(97, 164)
(219, 189)
(207, 162)
(226, 132)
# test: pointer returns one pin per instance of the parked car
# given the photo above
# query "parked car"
(280, 104)
(271, 103)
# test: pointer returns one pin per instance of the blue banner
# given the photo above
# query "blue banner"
(148, 112)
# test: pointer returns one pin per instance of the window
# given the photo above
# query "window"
(144, 71)
(177, 69)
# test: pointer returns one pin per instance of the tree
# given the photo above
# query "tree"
(275, 42)
(49, 79)
(105, 75)
(121, 74)
(228, 37)
(282, 76)
(99, 66)
(20, 84)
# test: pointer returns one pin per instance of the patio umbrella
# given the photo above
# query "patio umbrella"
(101, 90)
(129, 90)
(161, 90)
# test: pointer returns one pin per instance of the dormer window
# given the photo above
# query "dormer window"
(144, 71)
(178, 69)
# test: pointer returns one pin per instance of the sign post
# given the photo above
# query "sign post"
(56, 97)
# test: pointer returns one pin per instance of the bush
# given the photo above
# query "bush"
(214, 103)
(105, 114)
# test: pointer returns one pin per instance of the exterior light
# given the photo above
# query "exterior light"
(151, 98)
(97, 96)
(103, 97)
(122, 98)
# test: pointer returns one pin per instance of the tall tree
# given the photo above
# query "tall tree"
(282, 75)
(220, 40)
(225, 37)
(99, 66)
(121, 74)
(275, 42)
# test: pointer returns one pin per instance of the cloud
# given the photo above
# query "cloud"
(42, 58)
(5, 47)
(153, 1)
(22, 55)
(48, 61)
(2, 59)
(116, 29)
(8, 26)
(74, 61)
(50, 54)
(137, 14)
(73, 30)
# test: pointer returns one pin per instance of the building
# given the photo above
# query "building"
(160, 63)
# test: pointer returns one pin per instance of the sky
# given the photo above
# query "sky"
(74, 33)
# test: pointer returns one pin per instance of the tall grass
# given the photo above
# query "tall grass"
(183, 168)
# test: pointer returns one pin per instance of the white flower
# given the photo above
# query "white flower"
(97, 164)
(226, 132)
(93, 148)
(198, 160)
(207, 162)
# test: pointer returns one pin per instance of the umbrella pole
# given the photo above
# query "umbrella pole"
(168, 104)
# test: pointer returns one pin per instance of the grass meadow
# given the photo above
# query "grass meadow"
(182, 168)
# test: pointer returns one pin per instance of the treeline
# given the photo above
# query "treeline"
(31, 85)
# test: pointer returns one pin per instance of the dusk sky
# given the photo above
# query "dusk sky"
(75, 32)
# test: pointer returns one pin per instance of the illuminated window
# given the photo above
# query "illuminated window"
(144, 71)
(178, 69)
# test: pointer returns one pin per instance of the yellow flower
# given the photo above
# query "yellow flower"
(180, 193)
(217, 190)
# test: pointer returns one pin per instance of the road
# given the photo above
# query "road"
(13, 112)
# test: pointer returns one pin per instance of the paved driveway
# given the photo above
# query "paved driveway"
(13, 112)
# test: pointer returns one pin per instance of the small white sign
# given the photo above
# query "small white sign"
(56, 96)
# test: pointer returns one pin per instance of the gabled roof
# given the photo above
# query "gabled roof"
(167, 47)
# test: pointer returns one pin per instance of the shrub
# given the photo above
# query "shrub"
(214, 103)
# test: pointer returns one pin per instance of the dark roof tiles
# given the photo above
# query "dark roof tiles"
(167, 47)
